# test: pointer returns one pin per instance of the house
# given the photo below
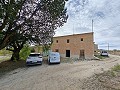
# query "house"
(79, 46)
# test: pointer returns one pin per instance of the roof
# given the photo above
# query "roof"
(74, 34)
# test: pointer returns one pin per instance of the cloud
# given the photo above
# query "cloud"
(106, 16)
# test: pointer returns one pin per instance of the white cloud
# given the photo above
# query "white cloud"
(106, 16)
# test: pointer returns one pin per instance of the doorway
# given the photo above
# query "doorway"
(67, 53)
(82, 54)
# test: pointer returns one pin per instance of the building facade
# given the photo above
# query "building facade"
(79, 46)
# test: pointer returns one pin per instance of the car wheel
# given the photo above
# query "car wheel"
(41, 63)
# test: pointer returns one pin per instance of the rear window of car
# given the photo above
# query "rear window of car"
(34, 55)
(104, 51)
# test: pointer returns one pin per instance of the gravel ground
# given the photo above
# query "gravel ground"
(103, 81)
(65, 76)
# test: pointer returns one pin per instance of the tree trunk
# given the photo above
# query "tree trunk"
(7, 40)
(15, 55)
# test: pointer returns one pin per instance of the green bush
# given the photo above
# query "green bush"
(24, 53)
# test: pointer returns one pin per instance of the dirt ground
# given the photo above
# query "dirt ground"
(64, 76)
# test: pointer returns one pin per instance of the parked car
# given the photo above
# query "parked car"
(34, 59)
(104, 53)
(54, 57)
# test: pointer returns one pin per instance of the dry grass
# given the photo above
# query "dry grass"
(69, 60)
(101, 57)
(4, 58)
(109, 80)
(116, 68)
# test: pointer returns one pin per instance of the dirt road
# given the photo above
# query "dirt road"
(64, 76)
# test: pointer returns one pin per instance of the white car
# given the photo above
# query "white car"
(54, 57)
(34, 59)
(104, 53)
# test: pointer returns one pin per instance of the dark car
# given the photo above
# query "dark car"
(104, 53)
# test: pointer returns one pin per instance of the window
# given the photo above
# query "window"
(56, 41)
(81, 39)
(67, 40)
(34, 55)
(56, 50)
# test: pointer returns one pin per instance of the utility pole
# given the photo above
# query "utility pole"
(73, 28)
(108, 47)
(92, 25)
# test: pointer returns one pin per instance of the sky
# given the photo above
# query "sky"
(106, 21)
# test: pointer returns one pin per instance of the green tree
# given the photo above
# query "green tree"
(24, 21)
(9, 10)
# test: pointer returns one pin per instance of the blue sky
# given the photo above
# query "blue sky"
(106, 17)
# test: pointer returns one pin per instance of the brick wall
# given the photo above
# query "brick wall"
(76, 43)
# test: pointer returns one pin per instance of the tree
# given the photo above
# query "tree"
(33, 22)
(8, 16)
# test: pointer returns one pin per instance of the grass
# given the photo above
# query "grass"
(5, 58)
(100, 57)
(116, 68)
(7, 66)
(4, 52)
(112, 73)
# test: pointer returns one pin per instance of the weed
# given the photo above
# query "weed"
(116, 68)
(113, 73)
(100, 57)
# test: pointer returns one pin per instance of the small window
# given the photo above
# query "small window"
(56, 50)
(67, 40)
(81, 39)
(56, 41)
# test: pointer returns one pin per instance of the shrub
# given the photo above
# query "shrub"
(24, 53)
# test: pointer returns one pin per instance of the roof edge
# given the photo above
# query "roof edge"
(74, 34)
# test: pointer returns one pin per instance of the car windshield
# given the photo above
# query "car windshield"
(34, 55)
